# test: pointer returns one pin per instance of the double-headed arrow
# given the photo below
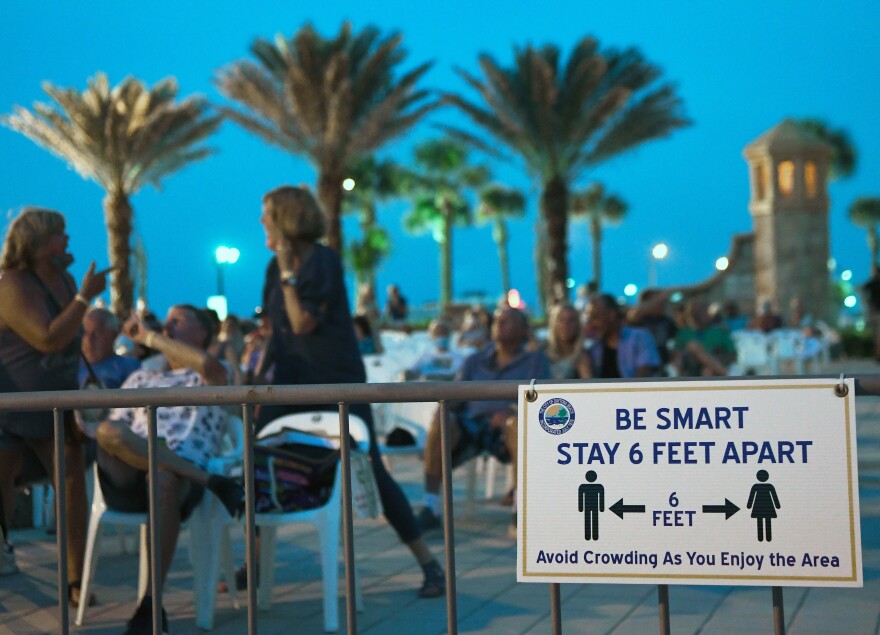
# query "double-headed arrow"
(728, 509)
(620, 509)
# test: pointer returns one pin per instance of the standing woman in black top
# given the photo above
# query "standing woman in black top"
(313, 341)
(41, 315)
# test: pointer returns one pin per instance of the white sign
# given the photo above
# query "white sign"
(723, 482)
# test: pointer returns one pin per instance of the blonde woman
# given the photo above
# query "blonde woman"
(313, 342)
(41, 313)
(565, 344)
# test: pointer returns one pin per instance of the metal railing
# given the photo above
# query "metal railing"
(341, 395)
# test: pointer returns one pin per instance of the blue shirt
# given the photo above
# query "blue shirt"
(111, 371)
(635, 349)
(482, 366)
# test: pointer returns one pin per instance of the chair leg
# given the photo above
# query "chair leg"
(267, 567)
(91, 561)
(205, 529)
(471, 487)
(491, 469)
(227, 566)
(329, 544)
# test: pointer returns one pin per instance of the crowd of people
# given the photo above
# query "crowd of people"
(53, 337)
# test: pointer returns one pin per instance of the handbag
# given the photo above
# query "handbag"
(292, 476)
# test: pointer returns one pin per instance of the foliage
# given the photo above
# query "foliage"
(497, 205)
(599, 209)
(364, 255)
(844, 156)
(329, 99)
(865, 212)
(564, 118)
(122, 138)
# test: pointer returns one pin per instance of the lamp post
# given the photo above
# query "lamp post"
(224, 256)
(658, 252)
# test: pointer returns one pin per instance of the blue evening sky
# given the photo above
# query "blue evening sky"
(741, 67)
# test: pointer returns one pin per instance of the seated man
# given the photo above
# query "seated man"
(100, 330)
(483, 426)
(192, 435)
(442, 363)
(618, 351)
(702, 349)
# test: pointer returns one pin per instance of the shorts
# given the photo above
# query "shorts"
(134, 497)
(477, 436)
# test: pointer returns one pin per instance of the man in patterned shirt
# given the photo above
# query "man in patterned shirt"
(192, 436)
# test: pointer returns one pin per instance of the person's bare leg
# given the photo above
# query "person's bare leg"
(511, 441)
(434, 453)
(77, 503)
(171, 488)
(117, 440)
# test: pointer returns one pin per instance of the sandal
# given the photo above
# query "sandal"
(434, 584)
(73, 595)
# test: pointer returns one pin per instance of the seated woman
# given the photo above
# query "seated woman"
(565, 344)
(363, 331)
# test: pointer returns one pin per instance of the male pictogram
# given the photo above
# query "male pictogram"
(763, 502)
(591, 501)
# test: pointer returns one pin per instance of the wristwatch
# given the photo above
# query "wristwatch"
(288, 278)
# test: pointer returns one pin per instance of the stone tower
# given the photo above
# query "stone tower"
(788, 169)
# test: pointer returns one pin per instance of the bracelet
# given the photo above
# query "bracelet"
(79, 297)
(288, 278)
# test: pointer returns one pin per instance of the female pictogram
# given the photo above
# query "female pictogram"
(763, 502)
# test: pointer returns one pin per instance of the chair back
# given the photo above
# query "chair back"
(322, 424)
(751, 349)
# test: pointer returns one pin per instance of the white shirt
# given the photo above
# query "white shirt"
(194, 433)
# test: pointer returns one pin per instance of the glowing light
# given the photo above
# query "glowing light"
(832, 264)
(850, 301)
(630, 290)
(227, 255)
(846, 275)
(514, 299)
(348, 184)
(660, 251)
(676, 297)
(722, 263)
(569, 282)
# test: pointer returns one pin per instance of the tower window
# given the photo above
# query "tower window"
(785, 177)
(811, 179)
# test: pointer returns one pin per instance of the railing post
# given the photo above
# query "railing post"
(347, 523)
(555, 609)
(249, 520)
(61, 521)
(663, 602)
(778, 611)
(155, 538)
(448, 530)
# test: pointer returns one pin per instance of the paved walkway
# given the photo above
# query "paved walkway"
(489, 602)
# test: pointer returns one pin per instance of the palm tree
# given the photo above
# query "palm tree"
(373, 182)
(865, 212)
(121, 138)
(498, 204)
(599, 209)
(844, 156)
(439, 203)
(328, 99)
(564, 119)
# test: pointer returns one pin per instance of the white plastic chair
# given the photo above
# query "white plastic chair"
(752, 352)
(326, 519)
(786, 346)
(208, 524)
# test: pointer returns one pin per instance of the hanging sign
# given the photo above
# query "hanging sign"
(749, 482)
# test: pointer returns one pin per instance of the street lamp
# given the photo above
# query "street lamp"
(348, 184)
(224, 256)
(658, 252)
(722, 263)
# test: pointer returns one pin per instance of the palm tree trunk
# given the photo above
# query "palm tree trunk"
(446, 258)
(596, 234)
(873, 245)
(118, 218)
(554, 209)
(330, 198)
(541, 263)
(368, 221)
(499, 233)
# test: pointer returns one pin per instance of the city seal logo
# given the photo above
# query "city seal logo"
(556, 416)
